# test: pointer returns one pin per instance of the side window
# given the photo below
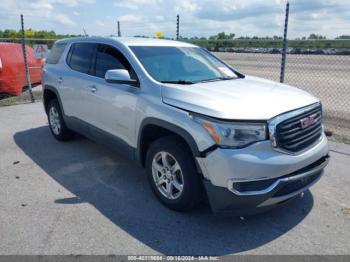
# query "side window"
(80, 57)
(55, 53)
(108, 57)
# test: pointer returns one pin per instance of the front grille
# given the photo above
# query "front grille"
(297, 133)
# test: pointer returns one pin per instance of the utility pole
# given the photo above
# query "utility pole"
(285, 45)
(119, 33)
(177, 26)
(26, 62)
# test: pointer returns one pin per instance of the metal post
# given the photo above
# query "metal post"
(25, 62)
(177, 27)
(119, 33)
(285, 45)
(85, 34)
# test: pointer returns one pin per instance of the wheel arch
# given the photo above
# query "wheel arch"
(153, 128)
(49, 93)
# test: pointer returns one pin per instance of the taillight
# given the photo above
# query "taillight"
(0, 64)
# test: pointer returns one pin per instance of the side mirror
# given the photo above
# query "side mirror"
(120, 76)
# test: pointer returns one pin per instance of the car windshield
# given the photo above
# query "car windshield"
(182, 65)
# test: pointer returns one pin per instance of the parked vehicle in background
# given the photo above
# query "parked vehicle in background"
(196, 124)
(12, 72)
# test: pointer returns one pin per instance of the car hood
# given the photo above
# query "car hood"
(249, 98)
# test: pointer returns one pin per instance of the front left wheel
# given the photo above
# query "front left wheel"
(172, 174)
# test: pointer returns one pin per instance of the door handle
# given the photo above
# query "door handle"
(93, 89)
(60, 80)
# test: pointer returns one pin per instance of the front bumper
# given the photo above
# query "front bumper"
(251, 197)
(258, 176)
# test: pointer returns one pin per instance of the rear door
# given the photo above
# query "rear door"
(77, 84)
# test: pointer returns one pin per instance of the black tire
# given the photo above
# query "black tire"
(64, 134)
(192, 192)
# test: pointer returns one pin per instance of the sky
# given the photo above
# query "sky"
(197, 17)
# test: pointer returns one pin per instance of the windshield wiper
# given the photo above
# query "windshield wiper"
(216, 79)
(180, 82)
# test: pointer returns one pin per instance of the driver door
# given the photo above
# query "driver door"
(114, 105)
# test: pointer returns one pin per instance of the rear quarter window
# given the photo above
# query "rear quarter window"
(55, 53)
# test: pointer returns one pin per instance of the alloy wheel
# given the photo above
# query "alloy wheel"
(55, 122)
(167, 175)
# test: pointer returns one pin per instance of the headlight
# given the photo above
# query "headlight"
(232, 134)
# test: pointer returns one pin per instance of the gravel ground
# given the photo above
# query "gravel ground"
(79, 198)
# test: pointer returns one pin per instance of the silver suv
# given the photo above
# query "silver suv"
(201, 129)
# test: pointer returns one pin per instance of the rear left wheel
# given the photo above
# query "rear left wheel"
(56, 122)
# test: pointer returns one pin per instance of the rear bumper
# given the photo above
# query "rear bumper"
(260, 195)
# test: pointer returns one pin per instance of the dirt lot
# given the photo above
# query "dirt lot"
(79, 198)
(327, 77)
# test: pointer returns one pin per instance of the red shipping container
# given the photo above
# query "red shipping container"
(12, 71)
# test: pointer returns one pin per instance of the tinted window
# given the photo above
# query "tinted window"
(80, 58)
(55, 53)
(107, 58)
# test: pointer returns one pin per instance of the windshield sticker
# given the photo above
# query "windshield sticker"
(226, 71)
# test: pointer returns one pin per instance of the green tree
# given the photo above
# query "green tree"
(316, 37)
(222, 36)
(343, 37)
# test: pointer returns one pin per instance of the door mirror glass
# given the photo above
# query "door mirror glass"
(119, 76)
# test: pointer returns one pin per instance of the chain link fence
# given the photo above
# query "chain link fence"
(30, 41)
(325, 76)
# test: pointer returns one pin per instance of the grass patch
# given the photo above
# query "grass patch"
(23, 99)
(8, 101)
(346, 211)
(342, 138)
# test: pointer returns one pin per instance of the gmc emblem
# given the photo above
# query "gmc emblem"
(308, 121)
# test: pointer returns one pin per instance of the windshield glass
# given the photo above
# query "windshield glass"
(181, 65)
